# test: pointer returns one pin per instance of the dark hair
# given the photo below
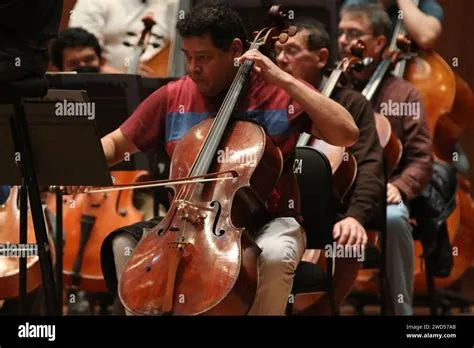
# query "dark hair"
(318, 37)
(377, 16)
(73, 37)
(214, 18)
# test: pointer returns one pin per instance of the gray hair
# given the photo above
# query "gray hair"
(375, 13)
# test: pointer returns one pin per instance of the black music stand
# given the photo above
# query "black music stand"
(56, 148)
(116, 97)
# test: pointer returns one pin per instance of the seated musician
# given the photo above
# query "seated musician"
(423, 22)
(76, 49)
(111, 20)
(424, 27)
(372, 24)
(214, 39)
(305, 56)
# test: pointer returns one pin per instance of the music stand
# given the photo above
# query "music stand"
(116, 96)
(56, 148)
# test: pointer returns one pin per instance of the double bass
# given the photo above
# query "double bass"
(447, 101)
(200, 259)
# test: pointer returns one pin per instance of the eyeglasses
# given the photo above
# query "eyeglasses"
(352, 34)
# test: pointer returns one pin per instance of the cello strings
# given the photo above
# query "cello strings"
(226, 108)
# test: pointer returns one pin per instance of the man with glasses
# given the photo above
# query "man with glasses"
(423, 22)
(305, 56)
(372, 24)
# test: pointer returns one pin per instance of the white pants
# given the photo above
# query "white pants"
(283, 242)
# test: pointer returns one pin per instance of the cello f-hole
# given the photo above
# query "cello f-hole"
(216, 219)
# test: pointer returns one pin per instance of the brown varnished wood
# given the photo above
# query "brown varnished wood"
(111, 210)
(160, 63)
(10, 233)
(216, 275)
(429, 73)
(453, 124)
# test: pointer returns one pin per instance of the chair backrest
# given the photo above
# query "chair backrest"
(314, 175)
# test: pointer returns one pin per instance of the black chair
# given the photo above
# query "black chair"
(314, 175)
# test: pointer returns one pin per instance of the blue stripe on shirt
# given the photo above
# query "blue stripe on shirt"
(274, 121)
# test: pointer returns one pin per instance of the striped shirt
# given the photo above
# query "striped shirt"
(168, 114)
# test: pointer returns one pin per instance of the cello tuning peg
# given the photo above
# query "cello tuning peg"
(131, 33)
(283, 37)
(126, 43)
(155, 45)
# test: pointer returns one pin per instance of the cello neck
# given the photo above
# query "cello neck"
(207, 152)
(400, 29)
(376, 79)
(355, 60)
(385, 65)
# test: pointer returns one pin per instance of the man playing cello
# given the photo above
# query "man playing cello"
(214, 40)
(305, 56)
(372, 24)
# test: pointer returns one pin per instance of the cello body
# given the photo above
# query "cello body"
(10, 234)
(87, 221)
(211, 262)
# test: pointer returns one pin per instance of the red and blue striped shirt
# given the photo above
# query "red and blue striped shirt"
(167, 114)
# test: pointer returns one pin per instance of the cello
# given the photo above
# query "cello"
(87, 220)
(343, 164)
(344, 170)
(10, 221)
(200, 259)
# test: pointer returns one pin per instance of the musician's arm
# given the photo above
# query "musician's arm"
(117, 147)
(331, 122)
(425, 29)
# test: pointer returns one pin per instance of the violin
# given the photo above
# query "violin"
(10, 221)
(200, 259)
(87, 220)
